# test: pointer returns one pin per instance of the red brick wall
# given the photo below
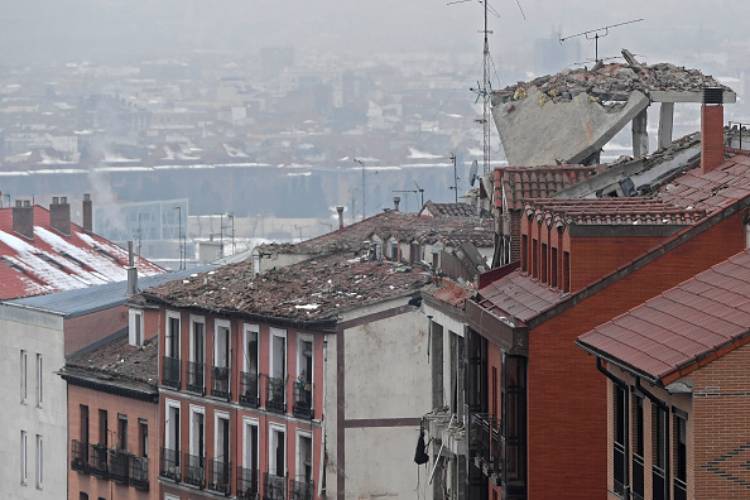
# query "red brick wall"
(83, 331)
(567, 405)
(712, 133)
(721, 413)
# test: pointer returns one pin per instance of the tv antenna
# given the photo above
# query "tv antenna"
(454, 187)
(597, 33)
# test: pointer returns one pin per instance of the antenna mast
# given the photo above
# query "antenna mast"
(597, 33)
(485, 93)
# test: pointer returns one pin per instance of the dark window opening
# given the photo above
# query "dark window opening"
(84, 410)
(513, 422)
(142, 438)
(122, 432)
(553, 272)
(534, 259)
(680, 458)
(638, 449)
(524, 253)
(620, 448)
(545, 277)
(566, 271)
(103, 429)
(659, 435)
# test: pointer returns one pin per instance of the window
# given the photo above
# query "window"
(197, 432)
(103, 429)
(172, 346)
(39, 462)
(171, 452)
(436, 363)
(142, 438)
(514, 416)
(277, 393)
(659, 435)
(620, 447)
(303, 385)
(83, 496)
(122, 431)
(553, 273)
(566, 271)
(39, 380)
(277, 452)
(524, 253)
(135, 327)
(304, 458)
(638, 448)
(24, 458)
(545, 276)
(250, 362)
(534, 259)
(250, 446)
(493, 393)
(24, 361)
(680, 457)
(221, 360)
(197, 354)
(84, 419)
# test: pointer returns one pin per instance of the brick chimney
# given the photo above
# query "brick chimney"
(23, 219)
(712, 129)
(340, 211)
(59, 214)
(132, 271)
(88, 214)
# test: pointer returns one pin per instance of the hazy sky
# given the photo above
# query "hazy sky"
(54, 29)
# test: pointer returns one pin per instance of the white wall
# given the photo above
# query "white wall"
(35, 332)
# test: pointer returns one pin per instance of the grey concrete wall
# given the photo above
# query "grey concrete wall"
(42, 333)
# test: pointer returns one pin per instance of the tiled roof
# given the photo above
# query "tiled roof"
(519, 296)
(526, 183)
(614, 211)
(451, 293)
(707, 314)
(53, 261)
(449, 209)
(315, 290)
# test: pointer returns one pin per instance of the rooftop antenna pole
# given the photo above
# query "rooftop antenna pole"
(455, 177)
(597, 33)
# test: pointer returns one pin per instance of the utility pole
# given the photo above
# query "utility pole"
(454, 187)
(364, 193)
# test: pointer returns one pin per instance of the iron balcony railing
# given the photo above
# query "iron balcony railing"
(303, 400)
(79, 456)
(486, 442)
(274, 487)
(220, 385)
(196, 377)
(139, 472)
(171, 372)
(300, 490)
(119, 466)
(195, 470)
(169, 466)
(249, 389)
(247, 484)
(98, 459)
(220, 476)
(105, 463)
(276, 395)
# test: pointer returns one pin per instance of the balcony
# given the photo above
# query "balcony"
(170, 372)
(139, 472)
(98, 460)
(79, 456)
(486, 445)
(196, 381)
(303, 400)
(300, 490)
(220, 385)
(274, 487)
(276, 396)
(116, 465)
(195, 470)
(169, 466)
(219, 476)
(249, 389)
(247, 484)
(119, 466)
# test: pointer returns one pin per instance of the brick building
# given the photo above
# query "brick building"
(583, 262)
(677, 389)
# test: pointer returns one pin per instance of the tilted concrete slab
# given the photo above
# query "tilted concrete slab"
(538, 131)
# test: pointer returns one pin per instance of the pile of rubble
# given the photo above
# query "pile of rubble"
(612, 82)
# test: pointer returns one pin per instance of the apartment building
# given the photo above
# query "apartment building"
(677, 389)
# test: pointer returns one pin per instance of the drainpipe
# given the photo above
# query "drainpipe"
(658, 402)
(622, 384)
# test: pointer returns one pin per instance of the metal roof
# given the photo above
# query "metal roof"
(683, 328)
(78, 302)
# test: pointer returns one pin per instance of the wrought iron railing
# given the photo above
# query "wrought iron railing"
(247, 484)
(196, 377)
(139, 472)
(98, 459)
(105, 463)
(119, 465)
(169, 465)
(195, 470)
(220, 384)
(303, 407)
(79, 456)
(171, 372)
(249, 389)
(276, 395)
(486, 441)
(300, 490)
(274, 487)
(220, 476)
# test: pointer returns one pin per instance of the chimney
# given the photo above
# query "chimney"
(132, 272)
(396, 201)
(23, 219)
(340, 211)
(88, 214)
(59, 214)
(712, 129)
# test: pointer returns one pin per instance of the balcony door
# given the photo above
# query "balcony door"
(250, 364)
(277, 452)
(221, 346)
(172, 341)
(197, 353)
(304, 458)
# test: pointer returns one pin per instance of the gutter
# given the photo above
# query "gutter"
(609, 359)
(110, 387)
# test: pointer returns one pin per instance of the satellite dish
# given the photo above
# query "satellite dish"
(473, 173)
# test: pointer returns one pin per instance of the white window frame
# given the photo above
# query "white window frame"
(247, 329)
(306, 337)
(135, 318)
(39, 462)
(298, 460)
(173, 315)
(222, 415)
(168, 405)
(24, 458)
(281, 333)
(191, 445)
(193, 320)
(246, 423)
(24, 375)
(223, 323)
(274, 428)
(39, 380)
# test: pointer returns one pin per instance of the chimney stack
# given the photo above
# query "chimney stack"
(340, 211)
(396, 201)
(132, 271)
(59, 214)
(23, 219)
(712, 129)
(88, 214)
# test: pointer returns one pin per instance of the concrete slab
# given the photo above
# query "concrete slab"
(537, 131)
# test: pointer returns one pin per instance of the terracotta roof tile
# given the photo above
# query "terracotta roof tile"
(524, 183)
